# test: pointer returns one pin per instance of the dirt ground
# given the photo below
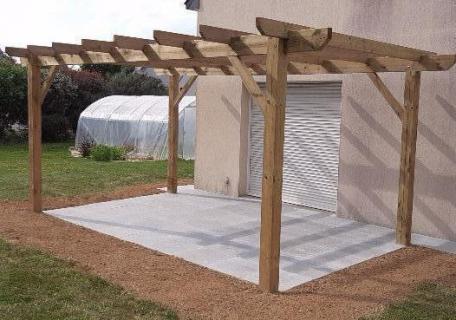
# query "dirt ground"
(199, 293)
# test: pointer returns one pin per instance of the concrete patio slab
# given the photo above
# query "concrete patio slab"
(222, 233)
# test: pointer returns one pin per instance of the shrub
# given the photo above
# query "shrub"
(86, 145)
(107, 153)
(55, 128)
(11, 136)
(101, 153)
(134, 84)
(118, 153)
(13, 95)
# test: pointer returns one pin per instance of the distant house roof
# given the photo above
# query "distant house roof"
(192, 4)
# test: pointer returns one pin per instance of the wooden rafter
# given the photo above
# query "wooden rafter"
(343, 42)
(220, 35)
(155, 55)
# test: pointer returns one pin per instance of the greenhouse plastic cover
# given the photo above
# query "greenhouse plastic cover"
(139, 123)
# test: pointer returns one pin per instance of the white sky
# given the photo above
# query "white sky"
(41, 22)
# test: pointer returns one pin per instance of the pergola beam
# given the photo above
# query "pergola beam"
(408, 155)
(271, 194)
(156, 56)
(397, 107)
(173, 131)
(183, 91)
(34, 136)
(173, 39)
(250, 83)
(340, 41)
(175, 95)
(48, 82)
(220, 35)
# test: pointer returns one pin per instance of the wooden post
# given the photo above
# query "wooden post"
(408, 150)
(34, 135)
(271, 197)
(173, 132)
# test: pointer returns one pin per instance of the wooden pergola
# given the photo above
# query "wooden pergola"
(280, 49)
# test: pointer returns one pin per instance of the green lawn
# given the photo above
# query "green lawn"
(431, 301)
(37, 286)
(67, 176)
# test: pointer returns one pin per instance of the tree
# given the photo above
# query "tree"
(107, 70)
(13, 94)
(6, 58)
(71, 92)
(124, 83)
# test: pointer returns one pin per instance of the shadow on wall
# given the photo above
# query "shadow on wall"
(373, 181)
(231, 109)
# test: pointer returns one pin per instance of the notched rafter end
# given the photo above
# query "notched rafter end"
(132, 43)
(311, 39)
(17, 52)
(274, 28)
(173, 39)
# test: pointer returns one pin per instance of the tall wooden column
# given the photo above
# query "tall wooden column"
(408, 151)
(173, 131)
(271, 197)
(34, 135)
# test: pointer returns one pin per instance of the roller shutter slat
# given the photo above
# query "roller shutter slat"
(311, 156)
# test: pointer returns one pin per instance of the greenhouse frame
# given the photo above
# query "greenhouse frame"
(138, 123)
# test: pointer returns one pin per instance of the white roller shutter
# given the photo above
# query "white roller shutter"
(311, 154)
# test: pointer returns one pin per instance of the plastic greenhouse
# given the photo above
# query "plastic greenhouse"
(139, 123)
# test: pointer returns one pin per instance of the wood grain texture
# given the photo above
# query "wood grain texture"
(408, 154)
(34, 135)
(48, 82)
(183, 91)
(249, 82)
(271, 198)
(173, 132)
(386, 93)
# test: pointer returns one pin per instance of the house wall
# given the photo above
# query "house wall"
(220, 135)
(370, 131)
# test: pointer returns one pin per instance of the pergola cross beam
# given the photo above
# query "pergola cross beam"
(341, 42)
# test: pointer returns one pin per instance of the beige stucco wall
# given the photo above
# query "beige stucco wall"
(370, 132)
(221, 121)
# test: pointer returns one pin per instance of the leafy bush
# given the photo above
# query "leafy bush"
(13, 94)
(55, 128)
(125, 83)
(70, 93)
(118, 153)
(106, 70)
(86, 145)
(11, 136)
(73, 91)
(107, 153)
